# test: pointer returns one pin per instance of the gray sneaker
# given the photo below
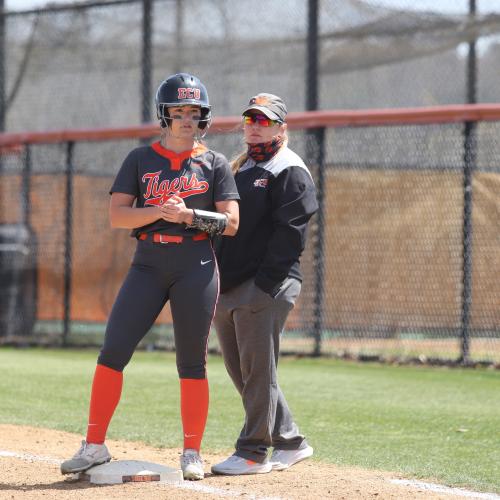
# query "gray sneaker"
(282, 459)
(192, 465)
(86, 457)
(235, 466)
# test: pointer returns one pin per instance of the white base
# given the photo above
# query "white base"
(124, 471)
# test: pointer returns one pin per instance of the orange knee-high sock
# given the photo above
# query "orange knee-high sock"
(106, 392)
(194, 410)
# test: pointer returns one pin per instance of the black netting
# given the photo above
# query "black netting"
(94, 66)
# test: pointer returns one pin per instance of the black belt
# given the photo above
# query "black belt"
(171, 238)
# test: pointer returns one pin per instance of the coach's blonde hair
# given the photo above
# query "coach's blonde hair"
(239, 160)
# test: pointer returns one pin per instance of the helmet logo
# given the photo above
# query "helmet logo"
(188, 93)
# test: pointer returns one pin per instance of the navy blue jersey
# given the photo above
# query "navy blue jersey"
(153, 174)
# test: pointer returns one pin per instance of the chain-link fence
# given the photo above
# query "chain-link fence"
(402, 259)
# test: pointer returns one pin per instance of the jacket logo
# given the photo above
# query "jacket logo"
(260, 183)
(157, 193)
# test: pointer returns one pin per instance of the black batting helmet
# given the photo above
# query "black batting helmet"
(182, 89)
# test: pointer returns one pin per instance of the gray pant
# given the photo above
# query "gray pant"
(249, 323)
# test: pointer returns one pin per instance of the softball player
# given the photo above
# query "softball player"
(184, 194)
(260, 281)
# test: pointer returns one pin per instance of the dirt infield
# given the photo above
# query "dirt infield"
(30, 457)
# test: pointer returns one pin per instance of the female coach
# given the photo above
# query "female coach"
(260, 282)
(184, 195)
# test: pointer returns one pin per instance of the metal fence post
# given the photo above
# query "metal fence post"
(26, 220)
(3, 79)
(26, 187)
(470, 143)
(68, 246)
(319, 254)
(470, 154)
(315, 152)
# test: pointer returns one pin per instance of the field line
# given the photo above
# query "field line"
(438, 488)
(435, 488)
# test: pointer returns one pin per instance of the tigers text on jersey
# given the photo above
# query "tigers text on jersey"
(152, 174)
(278, 198)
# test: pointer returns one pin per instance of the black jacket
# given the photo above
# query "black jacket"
(278, 198)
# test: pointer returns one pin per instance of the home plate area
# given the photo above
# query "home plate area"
(130, 471)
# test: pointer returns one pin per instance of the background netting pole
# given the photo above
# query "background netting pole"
(472, 61)
(311, 83)
(147, 14)
(179, 32)
(68, 242)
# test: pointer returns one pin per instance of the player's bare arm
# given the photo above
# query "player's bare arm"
(122, 213)
(232, 210)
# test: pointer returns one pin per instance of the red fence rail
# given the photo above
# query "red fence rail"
(303, 120)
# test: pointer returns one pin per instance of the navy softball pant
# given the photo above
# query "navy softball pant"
(184, 273)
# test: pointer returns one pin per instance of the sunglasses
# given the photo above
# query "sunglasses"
(261, 120)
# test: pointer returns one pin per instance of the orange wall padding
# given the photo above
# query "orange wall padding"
(393, 243)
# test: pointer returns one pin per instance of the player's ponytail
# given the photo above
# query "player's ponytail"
(238, 161)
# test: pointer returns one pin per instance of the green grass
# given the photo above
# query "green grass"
(436, 424)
